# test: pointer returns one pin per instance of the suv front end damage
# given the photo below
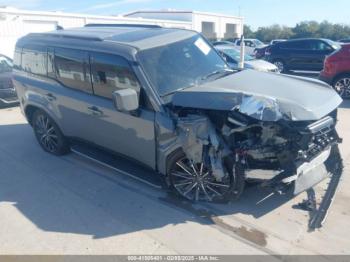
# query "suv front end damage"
(280, 143)
(276, 153)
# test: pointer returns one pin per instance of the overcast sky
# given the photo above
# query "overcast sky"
(256, 12)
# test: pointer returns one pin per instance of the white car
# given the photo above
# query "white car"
(250, 45)
(232, 57)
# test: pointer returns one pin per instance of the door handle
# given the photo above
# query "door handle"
(94, 110)
(50, 97)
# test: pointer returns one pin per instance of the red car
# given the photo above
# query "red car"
(336, 70)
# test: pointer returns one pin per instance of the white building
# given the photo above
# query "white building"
(213, 26)
(15, 23)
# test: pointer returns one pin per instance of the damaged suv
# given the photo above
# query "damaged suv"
(165, 98)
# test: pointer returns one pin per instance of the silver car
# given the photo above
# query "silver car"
(232, 57)
(165, 99)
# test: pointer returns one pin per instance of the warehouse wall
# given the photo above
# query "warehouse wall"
(17, 23)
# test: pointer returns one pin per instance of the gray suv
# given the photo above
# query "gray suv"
(166, 99)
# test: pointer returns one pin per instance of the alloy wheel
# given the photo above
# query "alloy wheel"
(279, 65)
(196, 182)
(342, 86)
(46, 133)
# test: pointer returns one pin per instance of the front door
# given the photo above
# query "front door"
(129, 133)
(320, 50)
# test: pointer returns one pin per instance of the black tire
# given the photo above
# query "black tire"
(341, 84)
(281, 65)
(229, 189)
(49, 134)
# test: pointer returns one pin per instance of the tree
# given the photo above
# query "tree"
(303, 29)
(248, 32)
(266, 34)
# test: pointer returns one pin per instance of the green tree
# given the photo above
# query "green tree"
(248, 32)
(303, 29)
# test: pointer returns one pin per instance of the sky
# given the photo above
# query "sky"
(255, 12)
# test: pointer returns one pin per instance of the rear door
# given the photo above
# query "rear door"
(71, 91)
(297, 54)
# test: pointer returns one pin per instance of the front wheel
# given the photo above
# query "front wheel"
(196, 182)
(48, 134)
(342, 86)
(281, 67)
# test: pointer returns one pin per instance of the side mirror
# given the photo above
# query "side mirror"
(125, 100)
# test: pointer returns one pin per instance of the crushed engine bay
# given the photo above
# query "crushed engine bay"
(281, 151)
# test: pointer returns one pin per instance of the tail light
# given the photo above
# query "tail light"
(328, 64)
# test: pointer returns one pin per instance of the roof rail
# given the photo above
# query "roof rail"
(81, 37)
(123, 25)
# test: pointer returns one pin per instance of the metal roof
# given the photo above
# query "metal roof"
(139, 37)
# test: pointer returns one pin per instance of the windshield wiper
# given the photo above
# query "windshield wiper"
(179, 89)
(217, 72)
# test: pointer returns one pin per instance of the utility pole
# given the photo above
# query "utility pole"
(241, 61)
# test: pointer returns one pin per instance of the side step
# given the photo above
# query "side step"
(119, 164)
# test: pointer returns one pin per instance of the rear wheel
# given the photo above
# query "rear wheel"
(342, 86)
(48, 134)
(196, 182)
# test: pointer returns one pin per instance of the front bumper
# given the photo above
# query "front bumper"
(311, 173)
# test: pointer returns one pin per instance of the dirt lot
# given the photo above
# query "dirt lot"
(69, 205)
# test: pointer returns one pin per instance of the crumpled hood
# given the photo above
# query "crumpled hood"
(264, 96)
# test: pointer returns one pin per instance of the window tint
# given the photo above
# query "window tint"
(109, 73)
(72, 69)
(295, 45)
(34, 59)
(249, 43)
(319, 45)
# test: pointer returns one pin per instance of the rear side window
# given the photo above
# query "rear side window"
(300, 45)
(111, 72)
(34, 60)
(72, 69)
(317, 45)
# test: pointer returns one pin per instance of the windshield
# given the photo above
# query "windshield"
(258, 42)
(333, 44)
(5, 64)
(236, 55)
(181, 64)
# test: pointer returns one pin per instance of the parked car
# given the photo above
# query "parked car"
(275, 41)
(165, 98)
(300, 54)
(250, 45)
(7, 92)
(232, 57)
(336, 70)
(259, 52)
